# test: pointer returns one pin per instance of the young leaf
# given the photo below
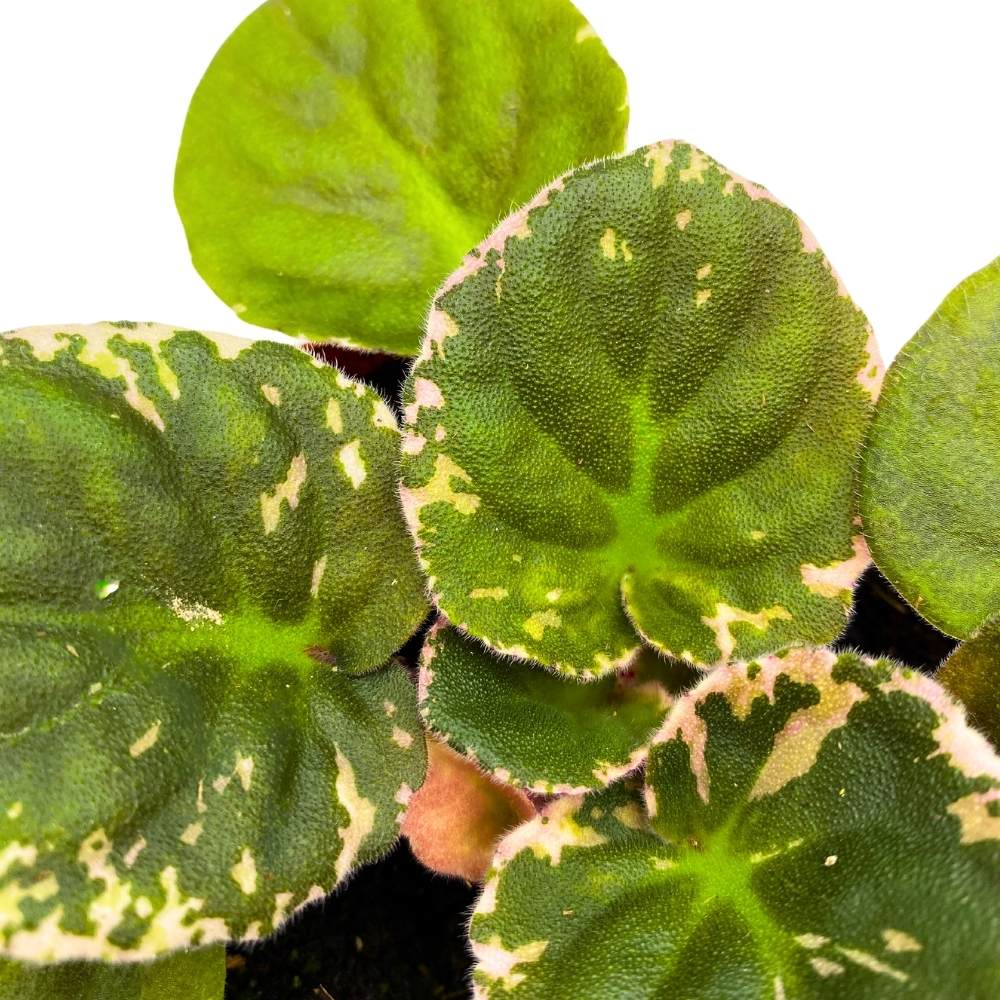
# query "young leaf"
(649, 384)
(454, 820)
(339, 158)
(972, 674)
(200, 558)
(931, 470)
(821, 827)
(193, 975)
(534, 729)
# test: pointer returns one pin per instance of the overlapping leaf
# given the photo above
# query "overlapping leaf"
(453, 822)
(932, 465)
(533, 729)
(193, 975)
(972, 674)
(649, 384)
(200, 569)
(340, 157)
(819, 827)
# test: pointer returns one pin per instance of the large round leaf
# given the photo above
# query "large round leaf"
(200, 556)
(340, 157)
(972, 674)
(932, 465)
(821, 827)
(534, 729)
(191, 975)
(647, 384)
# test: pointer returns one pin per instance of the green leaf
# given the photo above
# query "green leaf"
(339, 158)
(822, 827)
(931, 469)
(534, 729)
(199, 563)
(193, 975)
(648, 384)
(972, 674)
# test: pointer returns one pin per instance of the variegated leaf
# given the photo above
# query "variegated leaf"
(647, 384)
(201, 568)
(817, 826)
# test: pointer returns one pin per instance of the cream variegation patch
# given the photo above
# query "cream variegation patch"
(498, 963)
(658, 157)
(244, 872)
(694, 172)
(537, 623)
(146, 741)
(726, 616)
(796, 746)
(286, 491)
(548, 834)
(334, 418)
(360, 816)
(318, 570)
(837, 579)
(977, 821)
(438, 489)
(488, 593)
(440, 326)
(353, 463)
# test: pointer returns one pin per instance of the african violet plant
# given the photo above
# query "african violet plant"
(626, 482)
(795, 808)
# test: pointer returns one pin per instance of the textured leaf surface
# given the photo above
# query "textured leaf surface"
(532, 728)
(648, 384)
(197, 564)
(821, 827)
(340, 157)
(972, 674)
(931, 470)
(191, 975)
(455, 819)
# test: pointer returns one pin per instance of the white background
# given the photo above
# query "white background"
(874, 120)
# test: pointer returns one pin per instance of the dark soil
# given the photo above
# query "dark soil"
(396, 930)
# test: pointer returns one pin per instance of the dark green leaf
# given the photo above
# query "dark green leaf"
(648, 384)
(821, 827)
(534, 729)
(201, 555)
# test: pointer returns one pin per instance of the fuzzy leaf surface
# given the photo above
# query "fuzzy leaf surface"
(535, 729)
(197, 583)
(193, 975)
(972, 674)
(646, 386)
(340, 157)
(818, 827)
(931, 469)
(455, 819)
